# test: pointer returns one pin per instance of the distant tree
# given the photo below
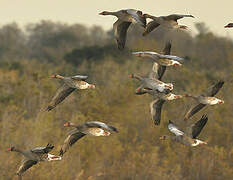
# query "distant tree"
(12, 42)
(201, 28)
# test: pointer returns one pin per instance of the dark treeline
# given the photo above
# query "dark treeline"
(29, 56)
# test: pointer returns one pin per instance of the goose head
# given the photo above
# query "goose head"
(11, 148)
(230, 25)
(68, 124)
(187, 95)
(53, 76)
(104, 13)
(139, 91)
(56, 76)
(163, 137)
(131, 76)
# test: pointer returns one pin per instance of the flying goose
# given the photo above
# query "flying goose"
(206, 98)
(157, 103)
(166, 21)
(161, 59)
(188, 137)
(125, 18)
(33, 156)
(230, 25)
(70, 84)
(158, 70)
(93, 128)
(152, 84)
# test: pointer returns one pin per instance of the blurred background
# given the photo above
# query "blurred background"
(38, 39)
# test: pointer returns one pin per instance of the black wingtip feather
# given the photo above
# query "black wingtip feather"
(157, 123)
(61, 153)
(221, 82)
(170, 122)
(114, 129)
(205, 116)
(49, 108)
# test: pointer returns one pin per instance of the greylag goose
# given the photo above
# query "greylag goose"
(230, 25)
(70, 84)
(163, 60)
(33, 156)
(157, 103)
(93, 128)
(187, 138)
(166, 21)
(158, 70)
(206, 98)
(125, 18)
(152, 84)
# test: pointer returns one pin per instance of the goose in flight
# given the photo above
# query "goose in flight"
(125, 18)
(206, 98)
(157, 103)
(152, 84)
(169, 22)
(93, 128)
(70, 84)
(188, 137)
(230, 25)
(33, 156)
(158, 70)
(161, 59)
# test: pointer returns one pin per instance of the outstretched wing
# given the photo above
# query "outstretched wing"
(150, 27)
(69, 141)
(161, 69)
(211, 91)
(25, 166)
(79, 77)
(97, 124)
(174, 129)
(155, 110)
(175, 17)
(176, 58)
(43, 150)
(158, 70)
(193, 111)
(60, 95)
(195, 129)
(120, 32)
(167, 48)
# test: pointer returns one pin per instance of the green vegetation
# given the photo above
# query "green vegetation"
(28, 58)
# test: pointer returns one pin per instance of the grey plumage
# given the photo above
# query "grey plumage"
(82, 130)
(210, 92)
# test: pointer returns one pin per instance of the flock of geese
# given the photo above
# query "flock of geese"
(153, 85)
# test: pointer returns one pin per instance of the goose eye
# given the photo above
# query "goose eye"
(195, 141)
